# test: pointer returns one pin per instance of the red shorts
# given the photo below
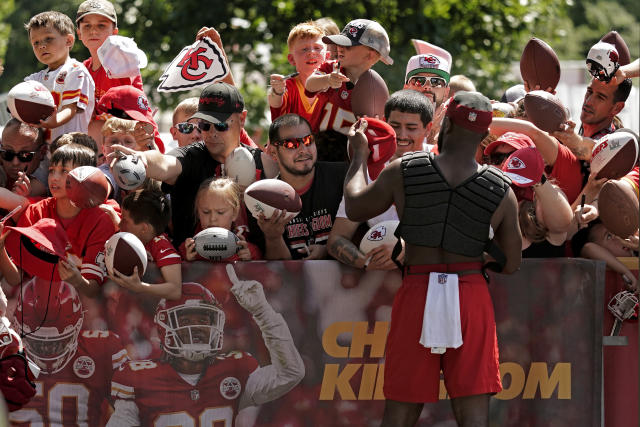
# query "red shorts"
(412, 372)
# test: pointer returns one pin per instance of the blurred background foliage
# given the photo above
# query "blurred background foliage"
(485, 37)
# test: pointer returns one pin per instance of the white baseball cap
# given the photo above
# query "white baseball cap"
(428, 63)
(121, 57)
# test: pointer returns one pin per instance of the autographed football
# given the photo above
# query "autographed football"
(369, 95)
(124, 251)
(624, 57)
(129, 172)
(240, 166)
(545, 110)
(379, 234)
(539, 65)
(87, 187)
(216, 243)
(615, 154)
(618, 208)
(267, 195)
(30, 102)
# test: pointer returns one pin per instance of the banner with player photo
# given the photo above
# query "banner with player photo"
(548, 316)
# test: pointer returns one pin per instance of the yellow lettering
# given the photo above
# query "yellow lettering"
(379, 394)
(376, 339)
(516, 383)
(334, 379)
(368, 381)
(330, 339)
(560, 378)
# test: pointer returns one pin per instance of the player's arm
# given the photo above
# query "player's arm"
(340, 245)
(163, 167)
(319, 82)
(580, 146)
(364, 201)
(556, 210)
(269, 382)
(507, 232)
(545, 143)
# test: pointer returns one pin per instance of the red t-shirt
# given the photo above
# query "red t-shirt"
(568, 173)
(161, 251)
(104, 83)
(295, 100)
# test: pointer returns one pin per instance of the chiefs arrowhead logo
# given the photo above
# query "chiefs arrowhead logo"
(378, 234)
(515, 163)
(429, 61)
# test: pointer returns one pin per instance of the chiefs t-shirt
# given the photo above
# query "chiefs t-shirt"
(295, 100)
(104, 83)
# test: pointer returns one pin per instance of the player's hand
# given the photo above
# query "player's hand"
(14, 383)
(619, 76)
(132, 282)
(248, 293)
(630, 282)
(143, 134)
(244, 253)
(380, 258)
(314, 251)
(118, 150)
(190, 249)
(273, 227)
(277, 82)
(357, 138)
(22, 186)
(527, 88)
(585, 214)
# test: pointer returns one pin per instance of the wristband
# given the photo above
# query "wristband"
(276, 93)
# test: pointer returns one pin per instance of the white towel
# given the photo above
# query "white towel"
(441, 321)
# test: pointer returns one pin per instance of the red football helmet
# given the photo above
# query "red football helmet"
(192, 327)
(50, 330)
(10, 342)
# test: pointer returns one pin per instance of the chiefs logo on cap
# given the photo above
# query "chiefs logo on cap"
(515, 163)
(353, 31)
(429, 61)
(143, 104)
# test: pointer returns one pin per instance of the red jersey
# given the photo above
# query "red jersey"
(333, 108)
(87, 233)
(161, 251)
(568, 173)
(77, 394)
(164, 398)
(104, 83)
(295, 100)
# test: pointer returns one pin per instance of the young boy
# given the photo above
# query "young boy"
(306, 52)
(86, 229)
(361, 44)
(51, 36)
(146, 214)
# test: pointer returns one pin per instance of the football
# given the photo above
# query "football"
(618, 208)
(87, 187)
(267, 195)
(124, 251)
(129, 172)
(240, 166)
(30, 102)
(614, 155)
(216, 243)
(379, 234)
(545, 110)
(369, 95)
(539, 65)
(624, 57)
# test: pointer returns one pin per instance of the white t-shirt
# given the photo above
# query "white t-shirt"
(69, 84)
(387, 215)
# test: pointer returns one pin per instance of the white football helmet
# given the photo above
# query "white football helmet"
(192, 327)
(603, 61)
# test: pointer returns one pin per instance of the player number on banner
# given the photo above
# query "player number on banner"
(59, 393)
(208, 418)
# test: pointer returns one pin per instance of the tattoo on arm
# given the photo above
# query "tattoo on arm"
(345, 251)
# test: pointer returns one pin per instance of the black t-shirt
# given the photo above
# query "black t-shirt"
(197, 165)
(319, 206)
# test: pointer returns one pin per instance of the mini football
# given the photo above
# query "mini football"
(379, 234)
(129, 172)
(618, 208)
(545, 110)
(539, 65)
(10, 342)
(30, 102)
(216, 243)
(624, 57)
(240, 166)
(87, 187)
(614, 155)
(124, 251)
(267, 195)
(369, 95)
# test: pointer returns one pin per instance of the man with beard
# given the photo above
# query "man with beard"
(319, 185)
(21, 151)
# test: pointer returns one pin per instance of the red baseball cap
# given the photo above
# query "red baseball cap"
(513, 139)
(524, 166)
(37, 248)
(133, 103)
(382, 143)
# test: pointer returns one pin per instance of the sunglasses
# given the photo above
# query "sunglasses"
(23, 156)
(293, 143)
(186, 127)
(206, 126)
(498, 158)
(421, 81)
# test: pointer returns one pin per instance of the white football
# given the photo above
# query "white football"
(240, 166)
(267, 195)
(129, 172)
(379, 234)
(124, 251)
(30, 102)
(216, 243)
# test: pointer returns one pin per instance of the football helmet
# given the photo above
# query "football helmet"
(192, 327)
(10, 342)
(603, 61)
(49, 329)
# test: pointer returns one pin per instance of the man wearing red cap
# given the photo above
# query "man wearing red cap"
(447, 206)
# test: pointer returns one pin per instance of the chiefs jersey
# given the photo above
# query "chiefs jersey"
(104, 83)
(76, 395)
(161, 251)
(295, 100)
(332, 110)
(164, 398)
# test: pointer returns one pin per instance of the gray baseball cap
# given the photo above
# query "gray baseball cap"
(97, 7)
(366, 33)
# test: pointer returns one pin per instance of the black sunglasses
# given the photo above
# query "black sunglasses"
(293, 143)
(421, 81)
(186, 127)
(498, 158)
(206, 126)
(23, 156)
